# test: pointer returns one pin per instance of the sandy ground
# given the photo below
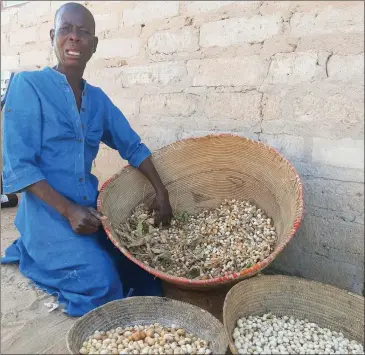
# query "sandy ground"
(27, 326)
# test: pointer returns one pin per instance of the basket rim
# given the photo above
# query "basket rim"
(140, 299)
(278, 278)
(245, 273)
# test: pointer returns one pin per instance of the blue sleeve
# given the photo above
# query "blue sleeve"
(21, 136)
(119, 135)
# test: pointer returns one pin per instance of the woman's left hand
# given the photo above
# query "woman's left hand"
(162, 207)
(161, 204)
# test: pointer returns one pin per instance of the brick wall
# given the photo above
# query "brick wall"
(290, 74)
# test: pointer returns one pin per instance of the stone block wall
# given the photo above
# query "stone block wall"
(287, 73)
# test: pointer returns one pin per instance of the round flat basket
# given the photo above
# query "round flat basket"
(145, 311)
(325, 305)
(201, 173)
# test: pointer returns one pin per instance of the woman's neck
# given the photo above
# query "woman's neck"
(73, 75)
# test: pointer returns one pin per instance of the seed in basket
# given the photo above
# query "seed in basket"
(269, 334)
(207, 245)
(147, 339)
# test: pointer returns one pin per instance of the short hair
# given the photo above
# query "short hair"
(73, 5)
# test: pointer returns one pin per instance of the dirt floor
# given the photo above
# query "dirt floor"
(27, 326)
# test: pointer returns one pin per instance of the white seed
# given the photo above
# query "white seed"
(269, 334)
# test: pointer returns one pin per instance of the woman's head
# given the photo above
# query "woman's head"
(73, 36)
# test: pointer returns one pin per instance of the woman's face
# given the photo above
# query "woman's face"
(73, 37)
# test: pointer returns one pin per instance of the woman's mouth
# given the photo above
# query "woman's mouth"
(72, 53)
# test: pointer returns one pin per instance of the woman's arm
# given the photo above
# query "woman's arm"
(118, 134)
(83, 220)
(161, 204)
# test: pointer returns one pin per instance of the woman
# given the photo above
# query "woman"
(53, 124)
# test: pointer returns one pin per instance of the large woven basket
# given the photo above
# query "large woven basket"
(149, 310)
(323, 304)
(201, 173)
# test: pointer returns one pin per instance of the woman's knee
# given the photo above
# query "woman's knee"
(102, 287)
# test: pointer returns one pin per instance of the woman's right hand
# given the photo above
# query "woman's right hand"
(84, 220)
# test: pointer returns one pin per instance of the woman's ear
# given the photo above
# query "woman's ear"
(52, 34)
(96, 41)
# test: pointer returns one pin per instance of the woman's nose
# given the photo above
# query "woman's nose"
(75, 35)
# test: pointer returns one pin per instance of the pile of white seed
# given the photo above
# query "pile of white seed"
(214, 243)
(148, 339)
(269, 334)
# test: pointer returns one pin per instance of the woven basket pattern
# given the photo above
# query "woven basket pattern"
(323, 304)
(148, 310)
(201, 173)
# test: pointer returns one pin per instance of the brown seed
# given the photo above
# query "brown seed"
(136, 336)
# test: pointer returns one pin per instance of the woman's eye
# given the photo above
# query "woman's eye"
(84, 32)
(64, 29)
(69, 29)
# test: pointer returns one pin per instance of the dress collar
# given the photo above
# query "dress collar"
(61, 78)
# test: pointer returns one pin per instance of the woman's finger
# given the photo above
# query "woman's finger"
(157, 219)
(97, 214)
(153, 206)
(91, 221)
(167, 220)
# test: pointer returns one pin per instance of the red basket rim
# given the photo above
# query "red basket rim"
(254, 269)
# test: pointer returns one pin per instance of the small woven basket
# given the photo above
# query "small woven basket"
(201, 173)
(325, 305)
(144, 311)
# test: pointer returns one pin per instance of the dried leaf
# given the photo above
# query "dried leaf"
(213, 263)
(140, 228)
(181, 216)
(157, 251)
(164, 257)
(194, 272)
(137, 243)
(193, 243)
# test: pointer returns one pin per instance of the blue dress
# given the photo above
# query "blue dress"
(46, 137)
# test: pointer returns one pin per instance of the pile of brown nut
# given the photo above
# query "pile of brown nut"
(213, 243)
